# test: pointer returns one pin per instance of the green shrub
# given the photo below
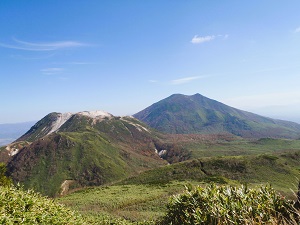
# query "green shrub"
(18, 206)
(4, 180)
(230, 205)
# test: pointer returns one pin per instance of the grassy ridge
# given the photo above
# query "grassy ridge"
(135, 203)
(84, 152)
(281, 170)
(85, 157)
(69, 157)
(200, 145)
(144, 197)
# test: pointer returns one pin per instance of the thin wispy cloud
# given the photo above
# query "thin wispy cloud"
(186, 80)
(199, 40)
(43, 46)
(297, 30)
(81, 63)
(153, 81)
(44, 56)
(50, 71)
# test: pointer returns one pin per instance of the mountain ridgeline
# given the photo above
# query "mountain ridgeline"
(65, 151)
(83, 149)
(182, 114)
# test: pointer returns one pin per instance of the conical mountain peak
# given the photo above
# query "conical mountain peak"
(186, 114)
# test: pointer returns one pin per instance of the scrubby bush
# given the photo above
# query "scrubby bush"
(18, 206)
(230, 205)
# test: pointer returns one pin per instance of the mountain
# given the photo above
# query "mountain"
(83, 149)
(182, 114)
(11, 131)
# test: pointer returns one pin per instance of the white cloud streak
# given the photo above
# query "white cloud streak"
(186, 80)
(33, 58)
(46, 46)
(50, 71)
(82, 63)
(199, 40)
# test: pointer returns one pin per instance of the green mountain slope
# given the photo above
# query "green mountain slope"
(83, 151)
(279, 169)
(184, 114)
(144, 197)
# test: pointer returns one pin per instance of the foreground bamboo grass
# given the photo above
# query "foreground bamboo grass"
(208, 205)
(18, 206)
(216, 205)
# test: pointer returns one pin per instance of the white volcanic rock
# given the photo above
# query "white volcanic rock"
(64, 117)
(11, 150)
(137, 126)
(61, 119)
(95, 114)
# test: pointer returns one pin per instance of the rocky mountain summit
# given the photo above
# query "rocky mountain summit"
(82, 149)
(54, 121)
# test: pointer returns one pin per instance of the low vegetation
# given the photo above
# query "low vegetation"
(216, 205)
(18, 206)
(198, 204)
(280, 170)
(147, 204)
(202, 145)
(135, 203)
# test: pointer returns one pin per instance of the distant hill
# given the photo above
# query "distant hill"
(278, 169)
(11, 131)
(82, 149)
(182, 114)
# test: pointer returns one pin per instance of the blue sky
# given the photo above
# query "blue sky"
(122, 56)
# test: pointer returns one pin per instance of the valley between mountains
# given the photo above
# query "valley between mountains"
(151, 155)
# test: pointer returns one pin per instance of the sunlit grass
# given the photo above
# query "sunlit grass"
(227, 205)
(132, 202)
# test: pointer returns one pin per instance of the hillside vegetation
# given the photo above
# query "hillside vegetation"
(18, 206)
(141, 204)
(92, 157)
(86, 158)
(216, 205)
(280, 170)
(151, 204)
(182, 114)
(145, 197)
(117, 170)
(208, 145)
